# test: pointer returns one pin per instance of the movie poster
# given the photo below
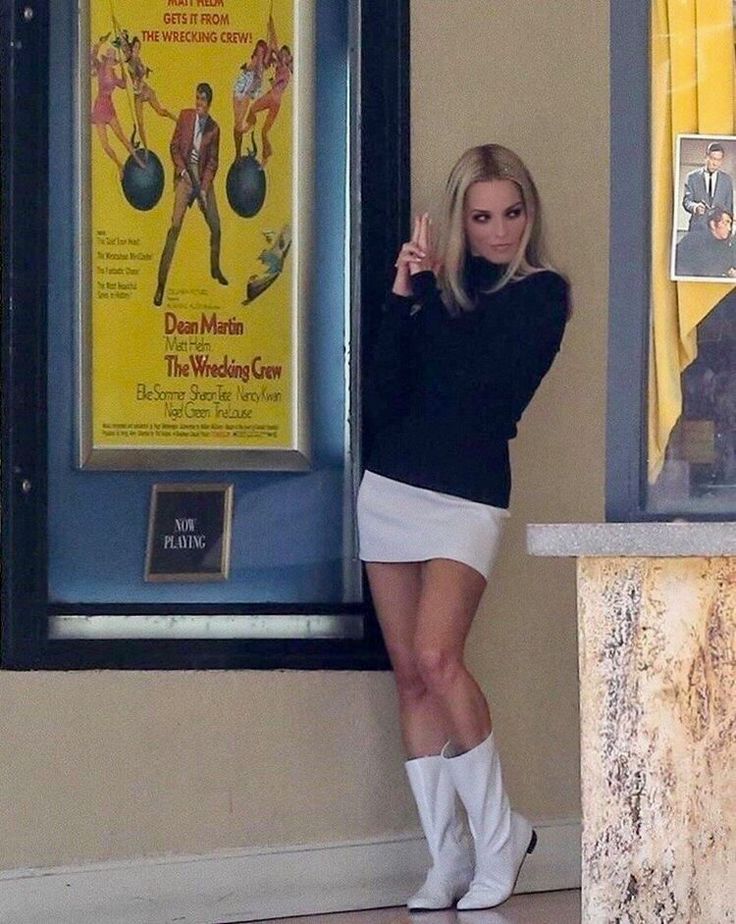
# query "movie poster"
(191, 324)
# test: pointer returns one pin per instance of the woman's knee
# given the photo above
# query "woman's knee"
(409, 682)
(439, 666)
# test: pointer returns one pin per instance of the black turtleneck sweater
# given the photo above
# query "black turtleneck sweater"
(445, 393)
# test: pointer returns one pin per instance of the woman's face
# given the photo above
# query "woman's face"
(495, 219)
(135, 48)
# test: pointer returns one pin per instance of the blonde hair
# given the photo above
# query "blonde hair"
(480, 164)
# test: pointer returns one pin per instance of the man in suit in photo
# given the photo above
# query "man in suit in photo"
(194, 150)
(707, 251)
(707, 187)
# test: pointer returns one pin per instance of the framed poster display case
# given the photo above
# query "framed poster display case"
(671, 426)
(90, 281)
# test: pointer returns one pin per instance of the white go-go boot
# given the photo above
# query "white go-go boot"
(502, 838)
(444, 827)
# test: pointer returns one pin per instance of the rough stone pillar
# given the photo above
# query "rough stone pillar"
(658, 731)
(657, 638)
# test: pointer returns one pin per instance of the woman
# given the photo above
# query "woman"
(283, 63)
(246, 88)
(143, 92)
(459, 356)
(103, 110)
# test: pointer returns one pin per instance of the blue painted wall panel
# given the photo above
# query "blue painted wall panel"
(288, 528)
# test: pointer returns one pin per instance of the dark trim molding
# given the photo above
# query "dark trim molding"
(385, 182)
(630, 252)
(24, 197)
(384, 142)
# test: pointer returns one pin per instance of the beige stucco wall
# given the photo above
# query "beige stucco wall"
(106, 765)
(527, 75)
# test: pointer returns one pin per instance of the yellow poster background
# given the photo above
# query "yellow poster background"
(202, 370)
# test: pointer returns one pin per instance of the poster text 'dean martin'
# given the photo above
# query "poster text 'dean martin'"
(191, 329)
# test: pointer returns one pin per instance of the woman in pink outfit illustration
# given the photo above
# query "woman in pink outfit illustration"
(104, 67)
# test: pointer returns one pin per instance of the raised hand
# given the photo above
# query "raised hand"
(423, 238)
(414, 257)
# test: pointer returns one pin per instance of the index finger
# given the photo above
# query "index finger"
(423, 238)
(429, 247)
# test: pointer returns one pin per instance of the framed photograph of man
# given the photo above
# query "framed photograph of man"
(703, 248)
(195, 177)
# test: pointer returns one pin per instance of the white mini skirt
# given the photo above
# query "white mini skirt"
(400, 522)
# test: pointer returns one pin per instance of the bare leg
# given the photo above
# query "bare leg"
(240, 110)
(256, 107)
(158, 108)
(270, 101)
(115, 126)
(396, 588)
(273, 111)
(107, 148)
(449, 599)
(139, 117)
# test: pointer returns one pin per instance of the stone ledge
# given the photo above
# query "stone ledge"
(614, 540)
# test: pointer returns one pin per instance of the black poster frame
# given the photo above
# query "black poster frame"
(384, 193)
(630, 260)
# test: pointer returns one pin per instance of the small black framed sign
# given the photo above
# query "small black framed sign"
(189, 529)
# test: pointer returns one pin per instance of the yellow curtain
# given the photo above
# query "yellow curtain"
(692, 65)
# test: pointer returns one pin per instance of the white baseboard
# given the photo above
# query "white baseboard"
(224, 888)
